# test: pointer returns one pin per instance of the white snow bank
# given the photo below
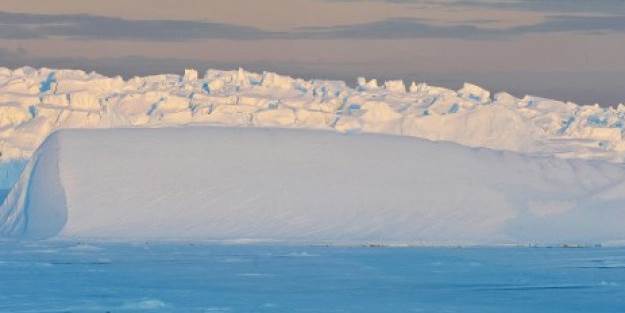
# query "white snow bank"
(306, 186)
(35, 102)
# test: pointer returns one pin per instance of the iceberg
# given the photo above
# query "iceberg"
(303, 186)
(36, 102)
(144, 158)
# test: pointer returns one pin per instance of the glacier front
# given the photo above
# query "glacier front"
(303, 186)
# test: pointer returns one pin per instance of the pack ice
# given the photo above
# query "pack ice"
(217, 183)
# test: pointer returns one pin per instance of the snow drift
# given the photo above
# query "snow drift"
(212, 183)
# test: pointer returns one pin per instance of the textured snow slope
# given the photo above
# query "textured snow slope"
(34, 102)
(306, 186)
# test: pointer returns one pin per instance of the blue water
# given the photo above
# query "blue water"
(69, 277)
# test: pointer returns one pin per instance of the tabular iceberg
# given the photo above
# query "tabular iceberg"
(214, 183)
(35, 102)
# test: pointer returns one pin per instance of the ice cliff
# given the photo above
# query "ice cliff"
(554, 172)
(35, 102)
(302, 186)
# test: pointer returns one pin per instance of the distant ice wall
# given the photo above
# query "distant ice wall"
(35, 102)
(216, 183)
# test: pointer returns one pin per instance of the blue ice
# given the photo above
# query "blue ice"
(454, 108)
(596, 121)
(46, 84)
(353, 108)
(475, 98)
(566, 124)
(10, 172)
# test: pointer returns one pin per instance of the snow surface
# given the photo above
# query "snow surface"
(35, 102)
(233, 184)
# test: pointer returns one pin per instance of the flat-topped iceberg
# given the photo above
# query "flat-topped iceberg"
(214, 183)
(35, 102)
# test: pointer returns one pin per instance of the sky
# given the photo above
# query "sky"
(571, 50)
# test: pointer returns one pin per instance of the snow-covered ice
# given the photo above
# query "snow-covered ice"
(232, 184)
(35, 102)
(52, 276)
(557, 174)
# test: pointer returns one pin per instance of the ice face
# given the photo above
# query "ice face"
(306, 186)
(34, 103)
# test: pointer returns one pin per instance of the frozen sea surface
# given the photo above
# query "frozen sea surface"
(72, 277)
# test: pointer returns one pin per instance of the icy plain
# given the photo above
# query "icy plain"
(67, 277)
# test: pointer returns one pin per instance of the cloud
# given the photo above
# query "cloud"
(27, 26)
(547, 6)
(553, 6)
(400, 28)
(411, 28)
(88, 27)
(575, 23)
(405, 28)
